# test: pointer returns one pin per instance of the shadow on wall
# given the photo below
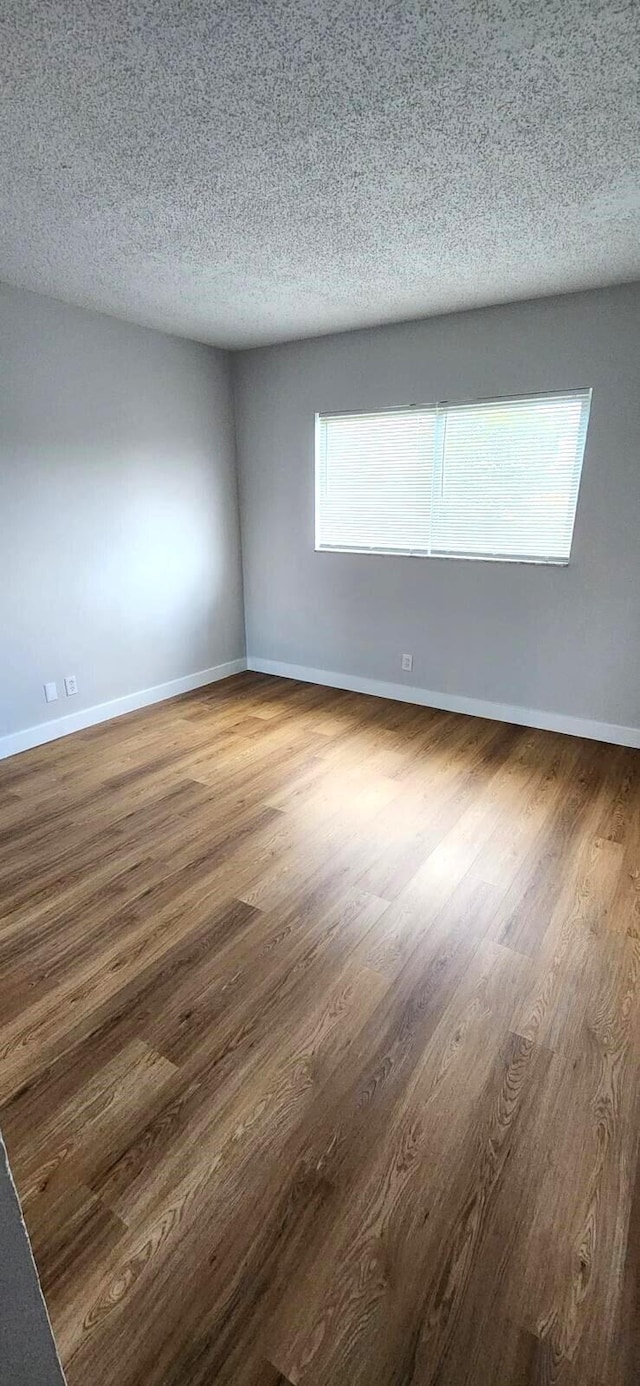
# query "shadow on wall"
(28, 1354)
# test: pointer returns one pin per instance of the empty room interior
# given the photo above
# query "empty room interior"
(320, 693)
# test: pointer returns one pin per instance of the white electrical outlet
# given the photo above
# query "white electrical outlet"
(50, 692)
(70, 685)
(407, 663)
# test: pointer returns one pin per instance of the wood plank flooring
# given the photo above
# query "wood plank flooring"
(320, 1044)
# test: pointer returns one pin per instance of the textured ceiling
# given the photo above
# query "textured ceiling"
(245, 171)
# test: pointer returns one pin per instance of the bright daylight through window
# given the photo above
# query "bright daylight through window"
(491, 480)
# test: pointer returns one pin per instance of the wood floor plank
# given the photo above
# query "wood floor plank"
(320, 1044)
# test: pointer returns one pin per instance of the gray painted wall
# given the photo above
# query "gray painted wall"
(119, 539)
(27, 1353)
(564, 640)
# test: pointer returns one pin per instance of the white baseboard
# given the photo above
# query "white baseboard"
(447, 702)
(452, 702)
(103, 712)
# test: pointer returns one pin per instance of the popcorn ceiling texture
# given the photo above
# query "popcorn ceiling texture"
(245, 171)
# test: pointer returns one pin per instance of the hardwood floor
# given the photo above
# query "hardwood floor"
(320, 1044)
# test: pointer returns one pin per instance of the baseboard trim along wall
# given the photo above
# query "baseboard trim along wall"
(452, 702)
(18, 741)
(103, 712)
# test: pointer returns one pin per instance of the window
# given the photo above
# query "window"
(496, 480)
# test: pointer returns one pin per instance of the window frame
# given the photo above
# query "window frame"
(469, 402)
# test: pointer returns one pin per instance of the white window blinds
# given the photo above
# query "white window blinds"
(492, 480)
